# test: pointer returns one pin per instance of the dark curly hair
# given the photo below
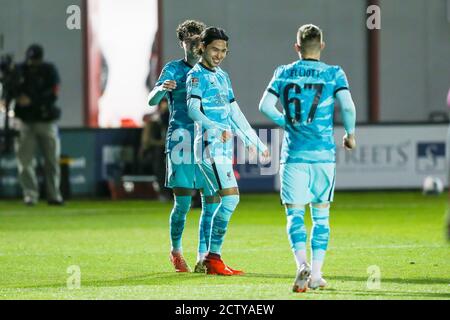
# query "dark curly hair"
(189, 27)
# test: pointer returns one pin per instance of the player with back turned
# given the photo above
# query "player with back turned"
(308, 89)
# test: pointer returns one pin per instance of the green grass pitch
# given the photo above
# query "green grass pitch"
(121, 249)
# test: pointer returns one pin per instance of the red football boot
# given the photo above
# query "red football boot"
(236, 272)
(215, 265)
(178, 262)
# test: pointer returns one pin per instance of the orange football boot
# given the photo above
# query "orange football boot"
(215, 265)
(236, 272)
(178, 262)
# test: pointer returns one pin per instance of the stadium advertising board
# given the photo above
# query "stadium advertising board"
(388, 156)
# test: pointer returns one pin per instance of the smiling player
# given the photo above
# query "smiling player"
(183, 174)
(217, 115)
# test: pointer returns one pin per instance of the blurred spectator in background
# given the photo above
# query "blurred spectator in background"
(37, 115)
(151, 153)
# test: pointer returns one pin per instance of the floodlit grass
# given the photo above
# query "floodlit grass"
(121, 249)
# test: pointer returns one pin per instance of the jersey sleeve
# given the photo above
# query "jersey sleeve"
(243, 129)
(275, 83)
(348, 110)
(168, 73)
(194, 95)
(231, 97)
(341, 81)
(193, 86)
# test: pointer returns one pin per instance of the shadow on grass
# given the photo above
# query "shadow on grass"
(171, 278)
(162, 278)
(383, 294)
(424, 281)
(357, 279)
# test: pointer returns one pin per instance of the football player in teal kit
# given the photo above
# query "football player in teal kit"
(308, 89)
(213, 107)
(182, 173)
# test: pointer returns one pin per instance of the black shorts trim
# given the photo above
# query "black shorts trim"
(214, 167)
(216, 174)
(332, 187)
(166, 179)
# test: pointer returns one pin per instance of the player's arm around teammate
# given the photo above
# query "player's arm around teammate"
(167, 85)
(182, 174)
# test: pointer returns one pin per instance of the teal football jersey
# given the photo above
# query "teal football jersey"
(213, 88)
(180, 127)
(307, 90)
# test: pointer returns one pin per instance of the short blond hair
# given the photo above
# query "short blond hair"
(309, 37)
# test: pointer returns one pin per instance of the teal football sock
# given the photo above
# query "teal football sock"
(295, 228)
(220, 222)
(178, 219)
(204, 232)
(319, 237)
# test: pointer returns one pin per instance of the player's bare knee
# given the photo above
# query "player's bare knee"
(183, 192)
(321, 205)
(295, 206)
(229, 192)
(212, 199)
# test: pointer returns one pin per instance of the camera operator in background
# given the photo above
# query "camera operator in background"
(37, 115)
(153, 140)
(9, 81)
(9, 78)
